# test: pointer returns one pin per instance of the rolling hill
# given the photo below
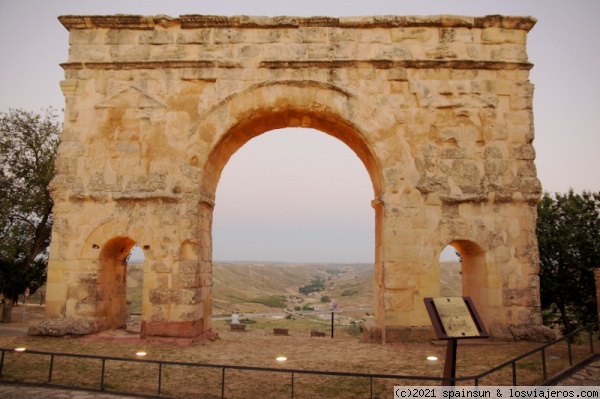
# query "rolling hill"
(248, 287)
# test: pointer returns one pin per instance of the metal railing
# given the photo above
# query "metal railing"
(473, 380)
(542, 350)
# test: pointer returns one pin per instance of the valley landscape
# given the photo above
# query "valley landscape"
(272, 287)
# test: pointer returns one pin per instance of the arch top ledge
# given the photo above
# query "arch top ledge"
(193, 21)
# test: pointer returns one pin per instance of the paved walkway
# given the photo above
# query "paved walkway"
(587, 376)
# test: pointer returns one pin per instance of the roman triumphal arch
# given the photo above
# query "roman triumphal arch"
(439, 110)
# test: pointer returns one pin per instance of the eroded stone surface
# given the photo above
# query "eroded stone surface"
(439, 110)
(58, 327)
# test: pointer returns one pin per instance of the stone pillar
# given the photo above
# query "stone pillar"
(175, 300)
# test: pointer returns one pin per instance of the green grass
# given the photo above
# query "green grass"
(270, 301)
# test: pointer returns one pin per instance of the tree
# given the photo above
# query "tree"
(316, 285)
(568, 231)
(28, 144)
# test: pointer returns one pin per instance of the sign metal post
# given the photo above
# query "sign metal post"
(25, 296)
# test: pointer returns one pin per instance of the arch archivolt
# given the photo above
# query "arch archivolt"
(272, 105)
(438, 109)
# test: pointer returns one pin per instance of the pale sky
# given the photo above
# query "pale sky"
(300, 195)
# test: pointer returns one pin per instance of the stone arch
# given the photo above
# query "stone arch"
(273, 105)
(101, 292)
(439, 110)
(268, 106)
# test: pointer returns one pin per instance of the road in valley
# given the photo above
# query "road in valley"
(367, 309)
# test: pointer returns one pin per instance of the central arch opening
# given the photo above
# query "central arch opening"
(294, 195)
(293, 206)
(264, 107)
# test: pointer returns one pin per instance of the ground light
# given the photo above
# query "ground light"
(281, 358)
(141, 353)
(432, 358)
(19, 349)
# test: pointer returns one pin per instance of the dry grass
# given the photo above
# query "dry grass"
(259, 347)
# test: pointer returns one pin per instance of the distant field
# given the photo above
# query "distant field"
(271, 287)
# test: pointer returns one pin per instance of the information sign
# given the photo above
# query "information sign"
(455, 317)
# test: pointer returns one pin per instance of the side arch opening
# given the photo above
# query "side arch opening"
(474, 270)
(112, 282)
(451, 283)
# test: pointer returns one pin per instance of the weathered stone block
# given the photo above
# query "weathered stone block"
(82, 36)
(58, 327)
(500, 36)
(114, 36)
(186, 281)
(155, 37)
(130, 52)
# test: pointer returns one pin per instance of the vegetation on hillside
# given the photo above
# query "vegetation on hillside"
(270, 301)
(316, 285)
(235, 284)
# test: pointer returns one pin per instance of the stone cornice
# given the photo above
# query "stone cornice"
(130, 65)
(293, 64)
(389, 64)
(212, 21)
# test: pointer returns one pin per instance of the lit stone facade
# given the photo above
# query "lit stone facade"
(439, 110)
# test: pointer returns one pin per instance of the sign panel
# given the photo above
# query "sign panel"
(455, 317)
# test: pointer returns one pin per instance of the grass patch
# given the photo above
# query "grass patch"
(271, 301)
(259, 347)
(134, 296)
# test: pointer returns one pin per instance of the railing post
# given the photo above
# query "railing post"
(292, 385)
(1, 363)
(544, 370)
(514, 369)
(570, 352)
(223, 383)
(159, 376)
(51, 366)
(590, 333)
(102, 377)
(371, 378)
(332, 324)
